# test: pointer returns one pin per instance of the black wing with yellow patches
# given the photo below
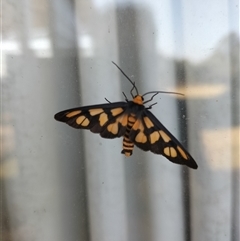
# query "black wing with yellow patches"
(109, 120)
(150, 135)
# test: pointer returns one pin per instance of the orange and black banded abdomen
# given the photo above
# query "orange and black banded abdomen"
(127, 143)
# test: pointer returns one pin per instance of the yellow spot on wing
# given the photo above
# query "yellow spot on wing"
(73, 113)
(123, 120)
(117, 111)
(85, 122)
(166, 151)
(138, 125)
(170, 151)
(113, 128)
(165, 137)
(95, 111)
(148, 122)
(183, 154)
(141, 138)
(103, 118)
(154, 137)
(173, 152)
(82, 120)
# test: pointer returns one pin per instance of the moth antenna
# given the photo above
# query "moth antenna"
(134, 86)
(125, 96)
(157, 92)
(163, 92)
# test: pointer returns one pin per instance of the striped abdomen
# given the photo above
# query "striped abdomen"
(127, 144)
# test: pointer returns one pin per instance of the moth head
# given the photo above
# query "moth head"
(138, 99)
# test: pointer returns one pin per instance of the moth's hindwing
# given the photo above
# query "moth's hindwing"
(109, 120)
(150, 135)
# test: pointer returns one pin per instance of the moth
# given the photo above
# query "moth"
(131, 120)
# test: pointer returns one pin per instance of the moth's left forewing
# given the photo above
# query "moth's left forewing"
(109, 120)
(156, 138)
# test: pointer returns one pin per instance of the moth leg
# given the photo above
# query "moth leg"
(108, 100)
(150, 106)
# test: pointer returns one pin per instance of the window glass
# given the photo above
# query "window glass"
(61, 183)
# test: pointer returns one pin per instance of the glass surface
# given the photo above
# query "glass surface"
(60, 183)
